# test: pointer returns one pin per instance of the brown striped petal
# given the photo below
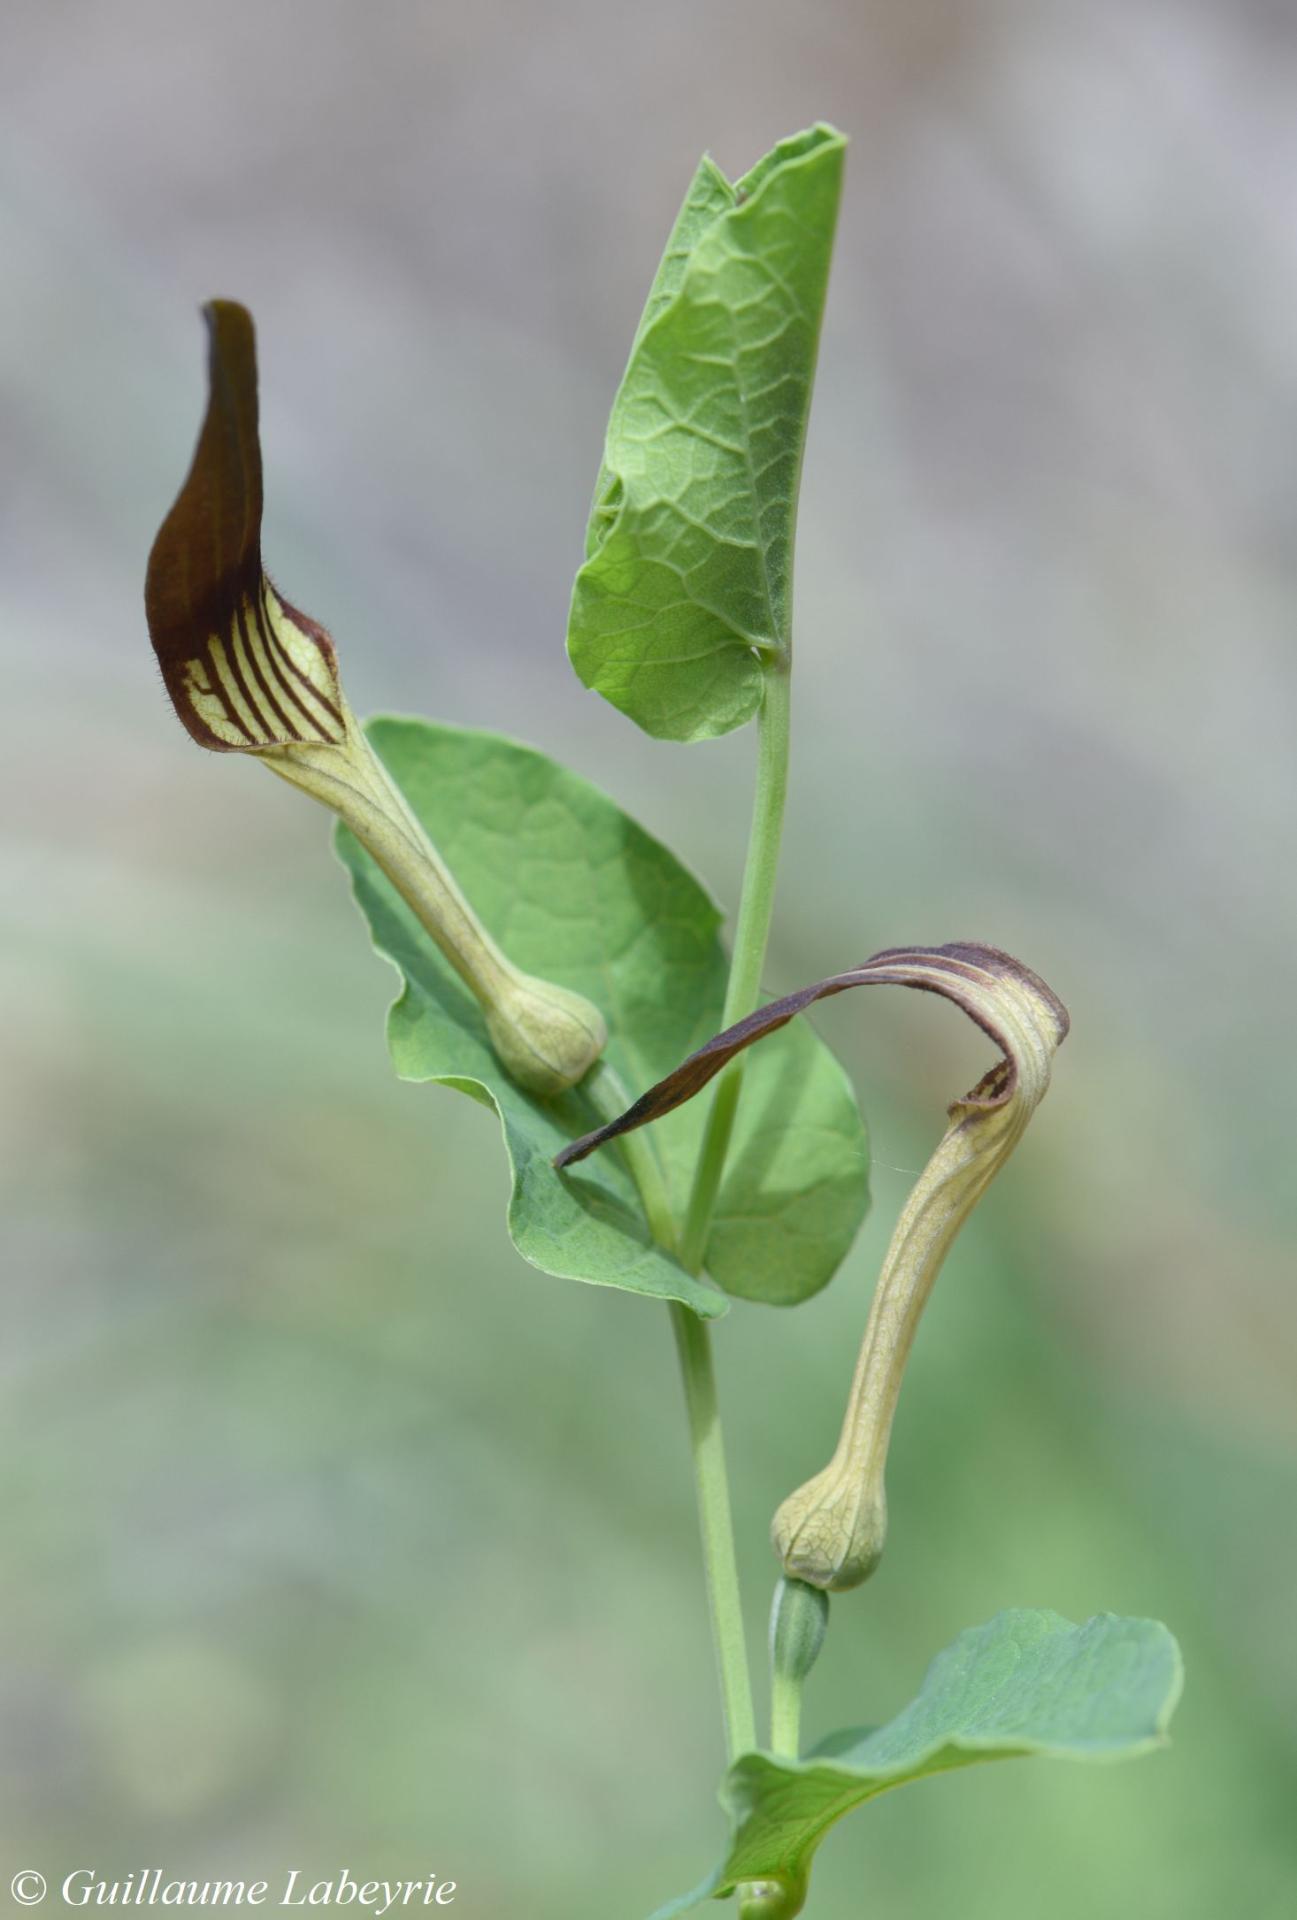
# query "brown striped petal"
(992, 988)
(248, 673)
(245, 670)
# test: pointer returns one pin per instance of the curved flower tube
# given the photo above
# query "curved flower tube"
(830, 1532)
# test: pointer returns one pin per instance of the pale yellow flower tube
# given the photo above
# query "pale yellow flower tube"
(831, 1531)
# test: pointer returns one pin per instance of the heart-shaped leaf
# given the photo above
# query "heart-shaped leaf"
(1028, 1682)
(573, 889)
(687, 583)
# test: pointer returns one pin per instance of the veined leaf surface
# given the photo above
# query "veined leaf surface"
(574, 890)
(687, 582)
(1028, 1682)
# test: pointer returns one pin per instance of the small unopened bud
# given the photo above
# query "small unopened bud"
(767, 1900)
(799, 1619)
(248, 673)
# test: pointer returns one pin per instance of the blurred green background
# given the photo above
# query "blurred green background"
(332, 1534)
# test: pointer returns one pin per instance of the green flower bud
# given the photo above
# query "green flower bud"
(248, 673)
(799, 1619)
(767, 1900)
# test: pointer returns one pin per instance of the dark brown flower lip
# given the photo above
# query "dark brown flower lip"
(961, 971)
(245, 670)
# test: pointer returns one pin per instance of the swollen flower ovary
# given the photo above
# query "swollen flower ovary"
(832, 1531)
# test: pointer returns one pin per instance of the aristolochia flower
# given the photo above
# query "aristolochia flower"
(830, 1533)
(248, 673)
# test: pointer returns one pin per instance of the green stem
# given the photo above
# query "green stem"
(609, 1096)
(693, 1340)
(711, 1482)
(785, 1714)
(607, 1093)
(756, 904)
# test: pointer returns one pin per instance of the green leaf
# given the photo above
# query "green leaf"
(575, 892)
(1028, 1682)
(687, 583)
(796, 1182)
